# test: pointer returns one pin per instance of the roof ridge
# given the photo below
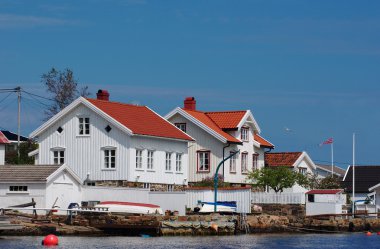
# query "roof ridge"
(116, 102)
(227, 111)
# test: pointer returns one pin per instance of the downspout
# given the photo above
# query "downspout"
(228, 145)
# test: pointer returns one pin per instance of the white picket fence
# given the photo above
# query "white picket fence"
(277, 198)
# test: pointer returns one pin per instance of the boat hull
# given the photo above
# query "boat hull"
(130, 207)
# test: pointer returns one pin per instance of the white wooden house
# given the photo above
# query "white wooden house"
(48, 185)
(3, 142)
(112, 143)
(297, 161)
(325, 201)
(217, 134)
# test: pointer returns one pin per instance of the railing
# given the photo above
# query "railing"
(277, 198)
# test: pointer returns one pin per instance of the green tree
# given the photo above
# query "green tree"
(64, 89)
(278, 178)
(330, 182)
(25, 148)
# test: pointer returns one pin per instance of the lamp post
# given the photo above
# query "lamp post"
(216, 178)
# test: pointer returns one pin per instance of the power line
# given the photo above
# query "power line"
(6, 97)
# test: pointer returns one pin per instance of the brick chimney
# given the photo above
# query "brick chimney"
(190, 104)
(103, 95)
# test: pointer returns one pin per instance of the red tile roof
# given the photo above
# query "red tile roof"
(206, 120)
(226, 120)
(286, 159)
(262, 141)
(3, 139)
(324, 191)
(139, 119)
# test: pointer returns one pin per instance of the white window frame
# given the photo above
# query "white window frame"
(244, 162)
(57, 156)
(170, 187)
(18, 189)
(245, 134)
(150, 160)
(303, 171)
(139, 158)
(168, 161)
(84, 125)
(108, 158)
(146, 185)
(233, 161)
(178, 162)
(181, 126)
(201, 158)
(255, 161)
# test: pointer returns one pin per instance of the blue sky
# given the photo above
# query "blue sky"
(310, 66)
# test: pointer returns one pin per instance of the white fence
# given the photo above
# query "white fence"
(242, 196)
(277, 198)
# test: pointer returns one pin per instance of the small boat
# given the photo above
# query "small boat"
(129, 207)
(221, 207)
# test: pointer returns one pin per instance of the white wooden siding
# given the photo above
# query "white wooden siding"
(84, 153)
(65, 188)
(173, 201)
(2, 154)
(91, 193)
(278, 198)
(204, 141)
(158, 174)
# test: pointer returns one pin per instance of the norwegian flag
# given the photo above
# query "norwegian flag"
(328, 141)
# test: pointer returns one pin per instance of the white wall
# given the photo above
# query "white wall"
(241, 196)
(316, 208)
(173, 201)
(65, 188)
(158, 174)
(115, 194)
(35, 190)
(2, 154)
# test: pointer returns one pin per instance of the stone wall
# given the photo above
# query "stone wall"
(296, 210)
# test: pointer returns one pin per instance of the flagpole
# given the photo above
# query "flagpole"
(353, 174)
(332, 159)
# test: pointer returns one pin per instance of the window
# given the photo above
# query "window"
(138, 159)
(233, 163)
(84, 126)
(146, 185)
(168, 161)
(18, 188)
(92, 184)
(178, 162)
(150, 159)
(303, 171)
(244, 162)
(109, 158)
(170, 188)
(181, 126)
(245, 134)
(255, 165)
(60, 129)
(59, 156)
(203, 161)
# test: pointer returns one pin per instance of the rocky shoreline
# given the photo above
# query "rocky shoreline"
(190, 225)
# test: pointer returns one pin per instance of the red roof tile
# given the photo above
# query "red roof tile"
(206, 120)
(3, 139)
(139, 119)
(226, 120)
(286, 159)
(262, 141)
(324, 191)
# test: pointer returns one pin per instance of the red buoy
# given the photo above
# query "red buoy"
(368, 233)
(50, 240)
(378, 233)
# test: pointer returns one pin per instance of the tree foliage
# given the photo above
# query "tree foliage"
(329, 182)
(25, 148)
(64, 89)
(278, 178)
(209, 182)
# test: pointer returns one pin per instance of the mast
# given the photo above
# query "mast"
(353, 174)
(18, 89)
(332, 159)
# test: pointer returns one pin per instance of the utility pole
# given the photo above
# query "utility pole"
(18, 90)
